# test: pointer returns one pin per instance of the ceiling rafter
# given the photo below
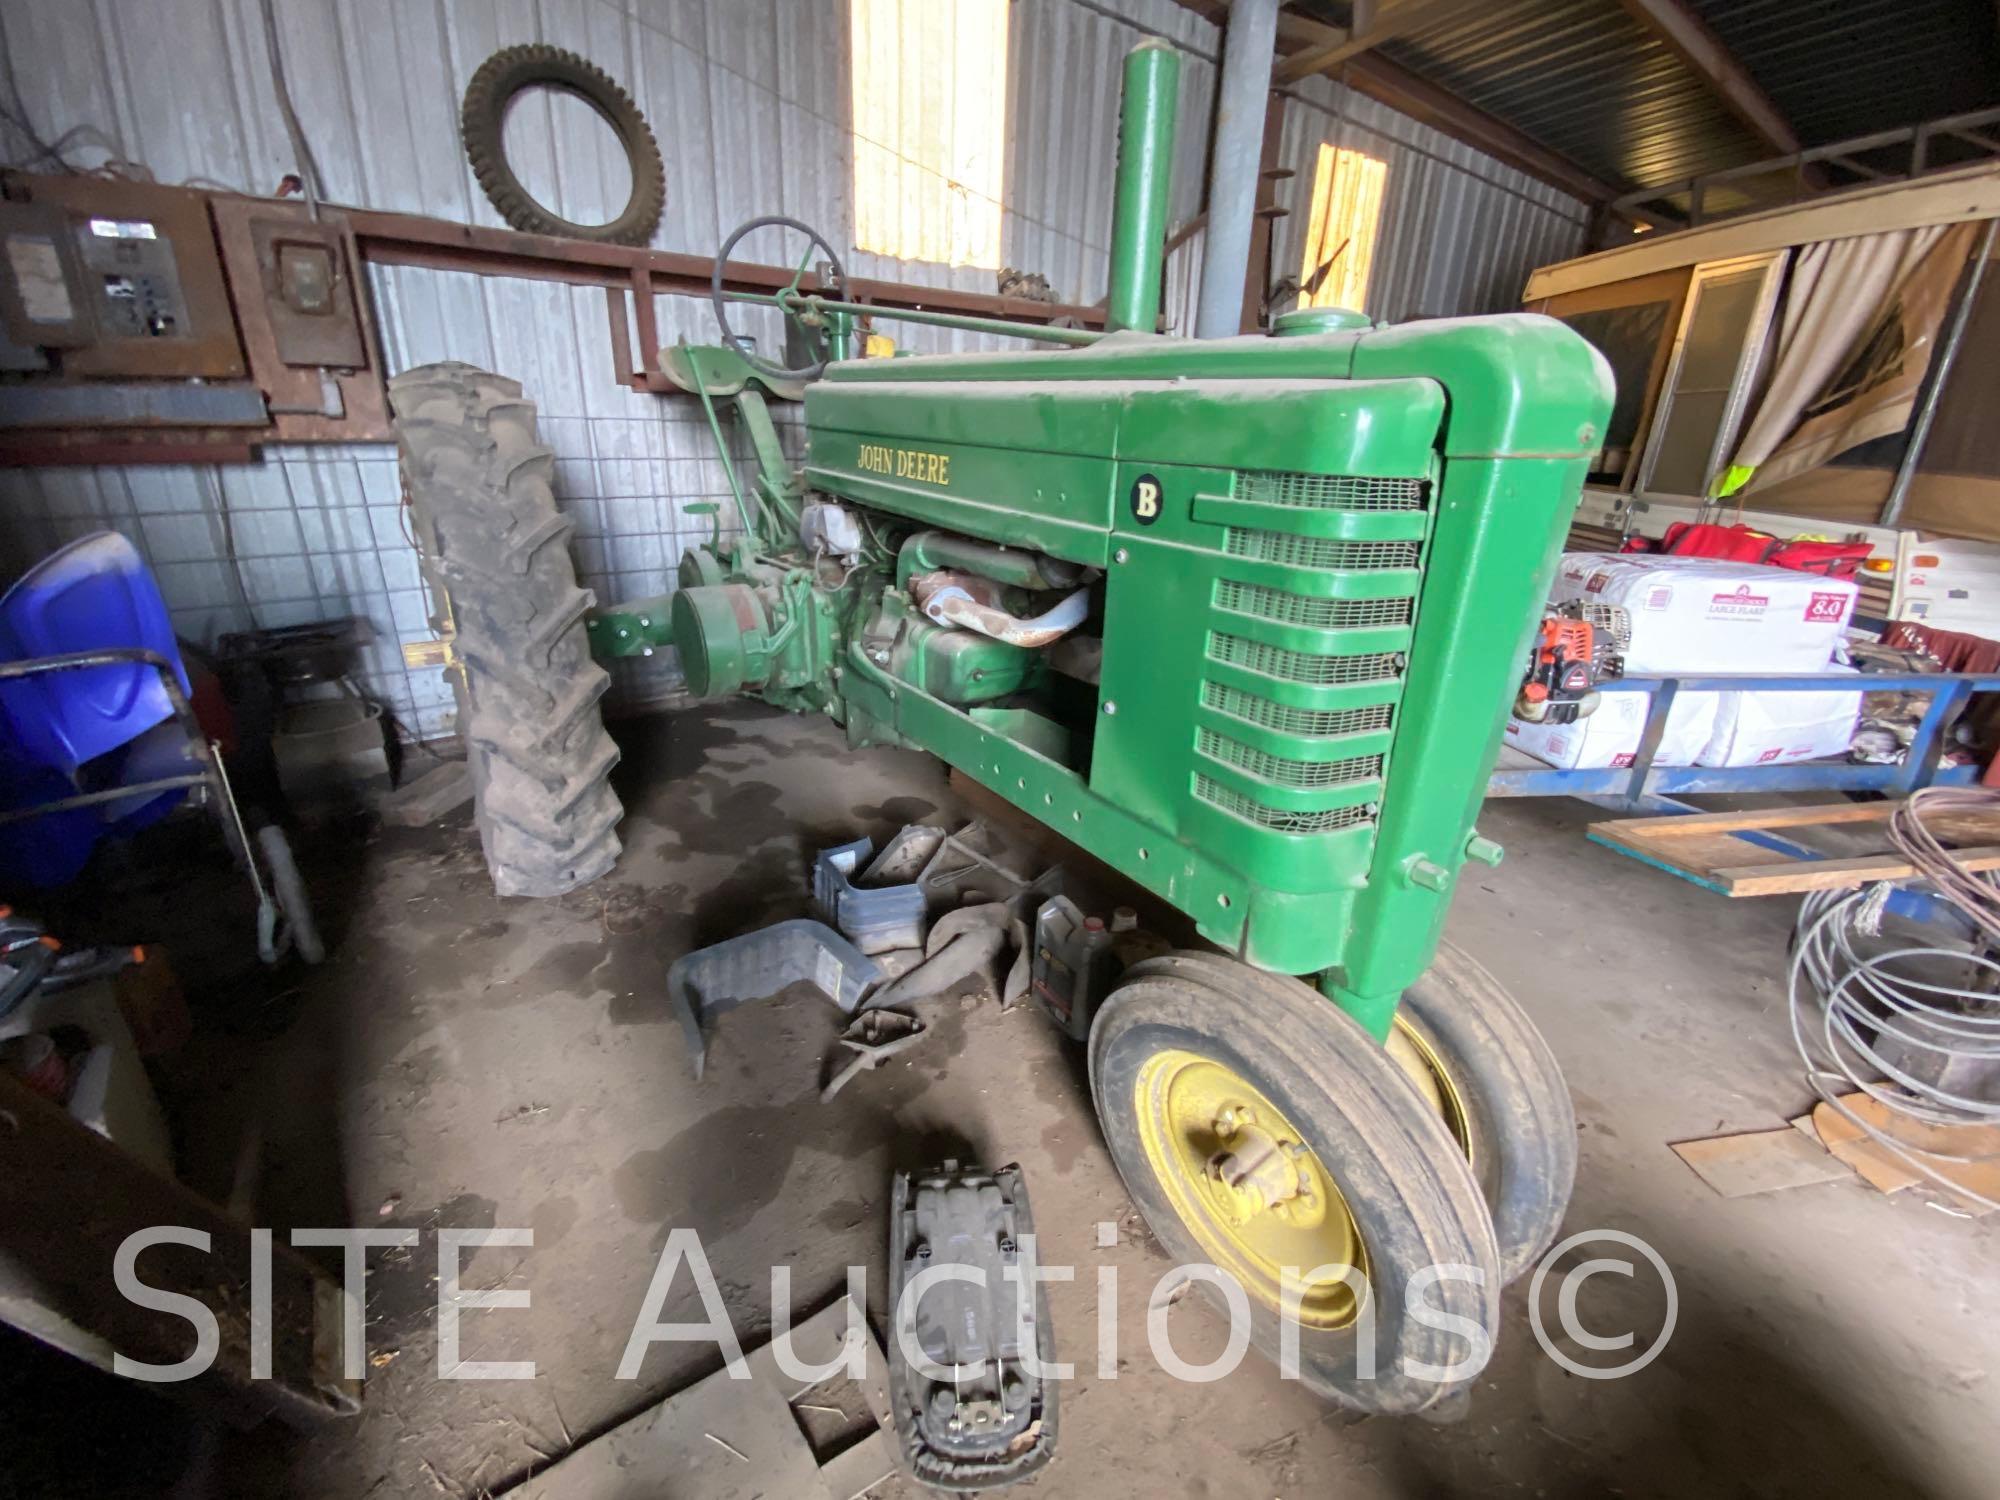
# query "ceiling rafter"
(1384, 81)
(1689, 38)
(1377, 24)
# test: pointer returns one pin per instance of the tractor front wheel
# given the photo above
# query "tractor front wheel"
(1468, 1045)
(1262, 1131)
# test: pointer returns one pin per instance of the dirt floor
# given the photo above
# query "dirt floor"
(468, 1061)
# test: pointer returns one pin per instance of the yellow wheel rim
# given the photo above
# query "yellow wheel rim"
(1432, 1079)
(1256, 1198)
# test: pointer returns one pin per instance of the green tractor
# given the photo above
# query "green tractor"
(1241, 617)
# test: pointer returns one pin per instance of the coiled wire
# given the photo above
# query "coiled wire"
(1871, 1017)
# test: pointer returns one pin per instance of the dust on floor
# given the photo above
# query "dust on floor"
(466, 1061)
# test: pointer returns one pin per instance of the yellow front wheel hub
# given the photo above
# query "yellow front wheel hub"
(1255, 1196)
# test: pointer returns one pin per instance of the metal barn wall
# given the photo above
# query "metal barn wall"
(750, 101)
(1459, 231)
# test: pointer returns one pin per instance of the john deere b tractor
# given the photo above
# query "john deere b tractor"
(1241, 617)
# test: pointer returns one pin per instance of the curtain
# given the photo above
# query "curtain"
(1854, 338)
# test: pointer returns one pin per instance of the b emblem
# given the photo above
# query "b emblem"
(1145, 499)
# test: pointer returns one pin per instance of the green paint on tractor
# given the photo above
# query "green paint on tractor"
(1298, 575)
(1312, 566)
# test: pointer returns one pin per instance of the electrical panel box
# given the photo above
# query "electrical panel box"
(309, 294)
(130, 280)
(41, 281)
(120, 279)
(148, 321)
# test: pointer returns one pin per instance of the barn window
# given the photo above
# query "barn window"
(1340, 233)
(930, 128)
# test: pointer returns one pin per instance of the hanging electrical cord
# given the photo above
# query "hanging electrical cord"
(15, 113)
(1889, 1020)
(311, 187)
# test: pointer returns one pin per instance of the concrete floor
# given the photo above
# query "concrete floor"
(465, 1060)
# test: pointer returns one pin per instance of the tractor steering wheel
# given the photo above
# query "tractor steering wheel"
(797, 306)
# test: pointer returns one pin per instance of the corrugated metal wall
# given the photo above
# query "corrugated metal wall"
(1459, 230)
(750, 102)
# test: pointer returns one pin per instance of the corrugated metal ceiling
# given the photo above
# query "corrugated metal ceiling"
(1843, 68)
(1589, 80)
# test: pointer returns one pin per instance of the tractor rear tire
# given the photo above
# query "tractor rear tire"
(496, 553)
(1517, 1118)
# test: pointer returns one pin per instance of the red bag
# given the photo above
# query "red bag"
(1747, 544)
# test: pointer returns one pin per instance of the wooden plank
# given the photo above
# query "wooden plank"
(1832, 874)
(1944, 198)
(1681, 824)
(1961, 827)
(1693, 877)
(1717, 850)
(1692, 859)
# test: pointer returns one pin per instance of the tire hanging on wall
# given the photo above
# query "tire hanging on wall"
(496, 553)
(481, 122)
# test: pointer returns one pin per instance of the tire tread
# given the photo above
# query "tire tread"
(494, 549)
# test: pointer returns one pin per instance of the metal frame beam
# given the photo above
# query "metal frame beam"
(1947, 198)
(1702, 50)
(1921, 766)
(395, 239)
(1808, 166)
(1388, 21)
(439, 244)
(1384, 81)
(415, 240)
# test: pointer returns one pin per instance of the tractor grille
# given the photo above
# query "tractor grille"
(1302, 666)
(1247, 745)
(1330, 491)
(1265, 714)
(1298, 609)
(1318, 552)
(1286, 772)
(1282, 820)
